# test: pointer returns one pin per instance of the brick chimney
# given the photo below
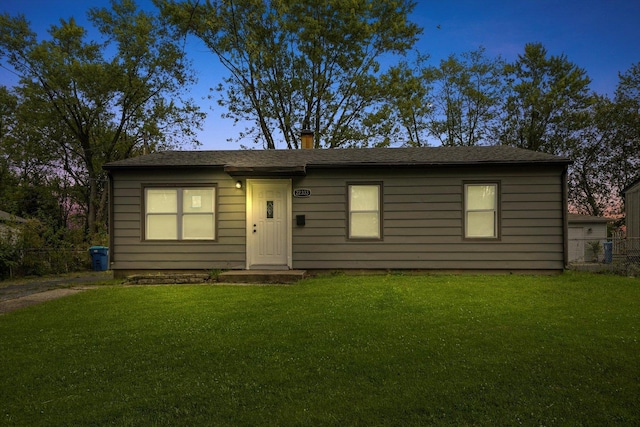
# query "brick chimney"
(306, 137)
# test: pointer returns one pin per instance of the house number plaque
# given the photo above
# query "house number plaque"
(301, 192)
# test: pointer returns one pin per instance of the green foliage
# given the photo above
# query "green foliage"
(593, 176)
(35, 248)
(468, 98)
(300, 64)
(9, 252)
(292, 65)
(596, 249)
(83, 103)
(547, 99)
(334, 350)
(213, 274)
(409, 103)
(606, 149)
(626, 127)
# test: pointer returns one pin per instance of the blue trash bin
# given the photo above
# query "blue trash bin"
(99, 258)
(608, 252)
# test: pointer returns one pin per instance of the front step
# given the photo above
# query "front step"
(167, 278)
(261, 276)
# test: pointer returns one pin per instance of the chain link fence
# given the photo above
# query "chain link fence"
(626, 254)
(618, 254)
(43, 261)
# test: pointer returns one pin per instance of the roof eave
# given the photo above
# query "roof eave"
(150, 167)
(299, 170)
(438, 164)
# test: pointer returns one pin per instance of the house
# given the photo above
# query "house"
(9, 225)
(583, 231)
(631, 248)
(432, 208)
(632, 209)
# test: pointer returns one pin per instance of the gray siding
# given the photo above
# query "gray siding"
(130, 252)
(632, 209)
(423, 221)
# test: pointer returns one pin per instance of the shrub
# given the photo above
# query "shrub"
(36, 249)
(9, 253)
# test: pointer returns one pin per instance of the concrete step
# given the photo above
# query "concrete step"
(167, 278)
(261, 276)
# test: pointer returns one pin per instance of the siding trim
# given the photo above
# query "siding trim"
(112, 255)
(565, 215)
(421, 216)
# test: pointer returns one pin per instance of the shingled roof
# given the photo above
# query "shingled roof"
(6, 216)
(587, 218)
(244, 162)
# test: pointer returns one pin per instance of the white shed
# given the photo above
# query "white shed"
(8, 224)
(583, 230)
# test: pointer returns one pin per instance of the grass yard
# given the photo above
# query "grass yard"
(333, 350)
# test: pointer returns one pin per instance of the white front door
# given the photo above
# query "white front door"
(268, 224)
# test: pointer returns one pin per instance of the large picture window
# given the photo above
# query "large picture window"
(180, 213)
(364, 211)
(481, 210)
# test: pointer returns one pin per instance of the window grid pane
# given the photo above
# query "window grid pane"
(162, 201)
(481, 197)
(364, 224)
(364, 198)
(198, 226)
(162, 227)
(364, 211)
(198, 200)
(481, 210)
(480, 224)
(180, 213)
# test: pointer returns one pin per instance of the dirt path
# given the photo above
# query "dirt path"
(22, 293)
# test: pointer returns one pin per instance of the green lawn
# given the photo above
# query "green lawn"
(333, 350)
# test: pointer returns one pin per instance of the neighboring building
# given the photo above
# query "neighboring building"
(632, 209)
(8, 225)
(583, 230)
(436, 208)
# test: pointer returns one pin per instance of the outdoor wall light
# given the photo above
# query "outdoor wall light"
(238, 184)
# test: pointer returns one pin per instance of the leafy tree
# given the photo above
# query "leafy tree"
(408, 105)
(9, 252)
(626, 145)
(547, 100)
(87, 103)
(306, 63)
(32, 184)
(606, 150)
(591, 177)
(468, 92)
(8, 102)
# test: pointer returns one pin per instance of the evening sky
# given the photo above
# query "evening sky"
(601, 36)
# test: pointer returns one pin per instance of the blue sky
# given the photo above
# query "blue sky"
(601, 36)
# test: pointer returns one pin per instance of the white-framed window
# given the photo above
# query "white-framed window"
(481, 210)
(364, 211)
(180, 213)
